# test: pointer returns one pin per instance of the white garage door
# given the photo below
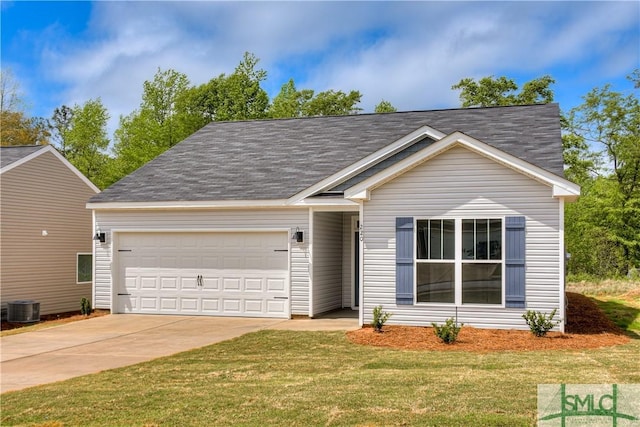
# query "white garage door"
(221, 274)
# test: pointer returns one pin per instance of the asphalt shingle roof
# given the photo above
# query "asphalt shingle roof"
(275, 159)
(12, 154)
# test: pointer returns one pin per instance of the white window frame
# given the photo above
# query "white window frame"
(458, 261)
(78, 267)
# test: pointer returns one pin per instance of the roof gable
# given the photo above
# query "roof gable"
(288, 158)
(560, 186)
(15, 156)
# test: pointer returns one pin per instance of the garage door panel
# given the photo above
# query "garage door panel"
(231, 283)
(231, 305)
(189, 305)
(276, 285)
(253, 284)
(169, 283)
(210, 284)
(253, 306)
(277, 306)
(211, 305)
(188, 283)
(232, 274)
(169, 304)
(149, 304)
(149, 283)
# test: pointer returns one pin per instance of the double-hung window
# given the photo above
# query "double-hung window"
(459, 261)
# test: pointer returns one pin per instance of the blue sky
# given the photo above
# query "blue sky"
(409, 53)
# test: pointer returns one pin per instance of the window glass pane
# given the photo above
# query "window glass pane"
(422, 238)
(482, 239)
(448, 239)
(84, 268)
(435, 241)
(495, 243)
(435, 282)
(468, 239)
(482, 283)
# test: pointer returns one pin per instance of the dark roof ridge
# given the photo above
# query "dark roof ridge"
(282, 119)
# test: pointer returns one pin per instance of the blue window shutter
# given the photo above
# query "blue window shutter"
(515, 239)
(404, 261)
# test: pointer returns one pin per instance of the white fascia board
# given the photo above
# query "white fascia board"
(342, 205)
(367, 162)
(362, 190)
(229, 204)
(50, 149)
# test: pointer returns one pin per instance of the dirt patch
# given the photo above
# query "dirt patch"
(59, 318)
(587, 327)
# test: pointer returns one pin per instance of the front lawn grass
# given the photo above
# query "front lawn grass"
(286, 378)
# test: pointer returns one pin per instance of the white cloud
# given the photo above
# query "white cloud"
(408, 53)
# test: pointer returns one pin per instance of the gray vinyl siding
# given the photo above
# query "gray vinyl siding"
(327, 261)
(460, 183)
(205, 219)
(44, 194)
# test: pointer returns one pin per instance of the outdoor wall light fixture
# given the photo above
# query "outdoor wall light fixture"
(101, 237)
(298, 235)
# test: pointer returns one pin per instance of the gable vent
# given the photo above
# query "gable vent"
(24, 311)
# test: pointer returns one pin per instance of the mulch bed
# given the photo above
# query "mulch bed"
(587, 327)
(59, 318)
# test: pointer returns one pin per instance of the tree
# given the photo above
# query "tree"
(385, 107)
(10, 95)
(237, 96)
(609, 122)
(160, 123)
(81, 133)
(60, 125)
(489, 91)
(332, 103)
(289, 102)
(16, 128)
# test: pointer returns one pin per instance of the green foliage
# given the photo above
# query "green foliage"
(332, 103)
(85, 307)
(83, 130)
(379, 318)
(385, 107)
(602, 151)
(291, 102)
(448, 333)
(490, 91)
(159, 124)
(540, 323)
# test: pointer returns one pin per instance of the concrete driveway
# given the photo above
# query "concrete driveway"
(113, 341)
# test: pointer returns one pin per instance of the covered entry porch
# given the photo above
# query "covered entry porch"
(334, 261)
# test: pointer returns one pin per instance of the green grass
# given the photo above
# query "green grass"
(320, 378)
(317, 378)
(618, 299)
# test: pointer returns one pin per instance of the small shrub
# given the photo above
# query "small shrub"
(448, 333)
(379, 318)
(85, 307)
(540, 323)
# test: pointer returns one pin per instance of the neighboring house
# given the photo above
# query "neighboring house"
(431, 214)
(46, 230)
